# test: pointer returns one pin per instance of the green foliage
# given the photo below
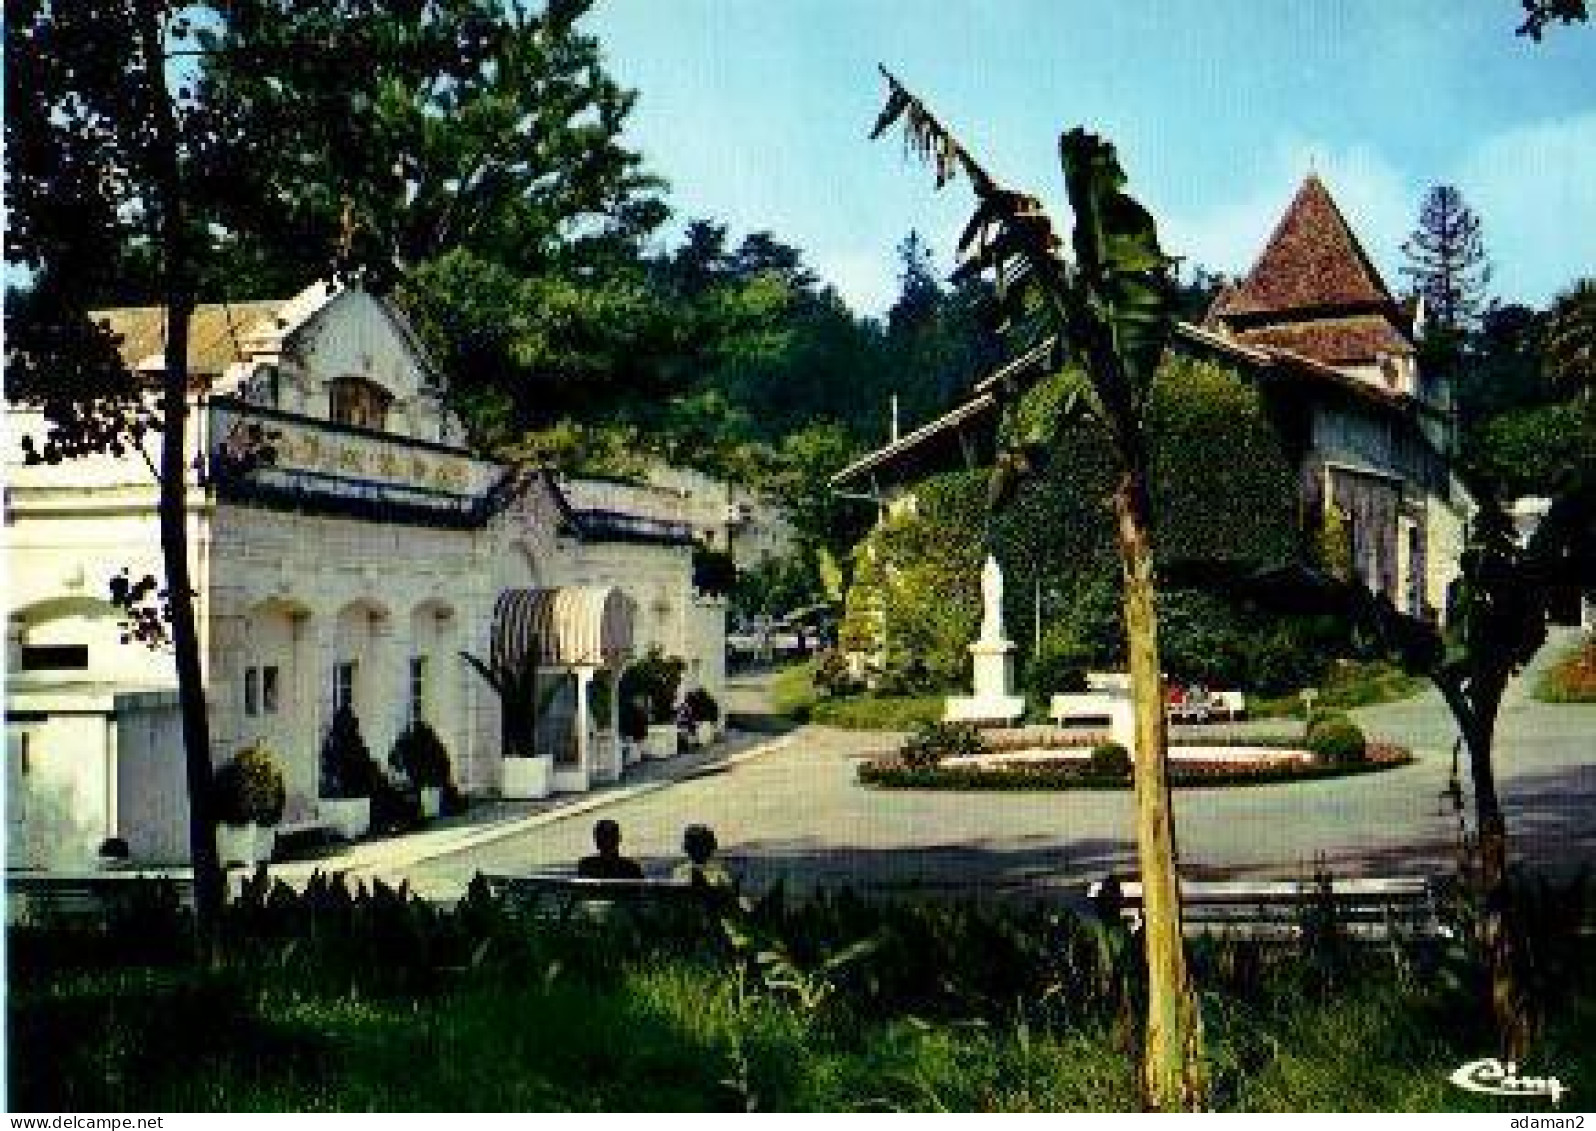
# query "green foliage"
(634, 718)
(654, 680)
(249, 789)
(523, 697)
(714, 572)
(1223, 489)
(347, 767)
(334, 994)
(701, 707)
(420, 757)
(832, 676)
(1110, 760)
(1336, 741)
(932, 742)
(1530, 451)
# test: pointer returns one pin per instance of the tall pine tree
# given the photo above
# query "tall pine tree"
(1446, 261)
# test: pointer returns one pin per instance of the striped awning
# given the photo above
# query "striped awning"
(567, 626)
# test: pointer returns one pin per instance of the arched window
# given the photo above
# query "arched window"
(357, 401)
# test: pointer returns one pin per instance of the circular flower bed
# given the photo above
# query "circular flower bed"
(1187, 769)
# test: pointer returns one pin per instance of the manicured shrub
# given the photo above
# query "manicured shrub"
(249, 789)
(420, 757)
(347, 767)
(701, 706)
(933, 742)
(1337, 741)
(1110, 760)
(832, 676)
(656, 678)
(634, 717)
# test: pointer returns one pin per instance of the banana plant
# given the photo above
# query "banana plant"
(1099, 318)
(521, 704)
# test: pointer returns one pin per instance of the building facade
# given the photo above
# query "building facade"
(1333, 353)
(346, 548)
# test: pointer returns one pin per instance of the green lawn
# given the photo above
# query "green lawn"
(337, 1005)
(793, 694)
(1349, 685)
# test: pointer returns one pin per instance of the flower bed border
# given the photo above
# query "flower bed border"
(892, 775)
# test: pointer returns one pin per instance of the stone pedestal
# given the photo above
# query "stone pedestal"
(994, 700)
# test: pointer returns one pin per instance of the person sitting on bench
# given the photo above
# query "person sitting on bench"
(608, 863)
(701, 868)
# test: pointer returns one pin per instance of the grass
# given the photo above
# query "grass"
(958, 1010)
(792, 693)
(1571, 678)
(1350, 684)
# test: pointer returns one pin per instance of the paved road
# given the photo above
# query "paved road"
(796, 813)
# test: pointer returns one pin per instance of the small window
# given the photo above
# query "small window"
(268, 689)
(251, 692)
(54, 657)
(418, 688)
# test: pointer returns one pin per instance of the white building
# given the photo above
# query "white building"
(353, 567)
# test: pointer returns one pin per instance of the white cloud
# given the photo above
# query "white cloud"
(1534, 188)
(867, 281)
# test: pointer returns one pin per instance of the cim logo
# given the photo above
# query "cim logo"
(1493, 1078)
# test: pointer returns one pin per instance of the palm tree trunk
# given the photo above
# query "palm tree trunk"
(173, 506)
(1172, 1064)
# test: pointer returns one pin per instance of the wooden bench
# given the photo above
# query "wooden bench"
(562, 894)
(1363, 909)
(42, 897)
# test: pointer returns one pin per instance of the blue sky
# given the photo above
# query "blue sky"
(756, 111)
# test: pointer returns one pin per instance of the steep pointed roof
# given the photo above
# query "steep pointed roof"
(1311, 262)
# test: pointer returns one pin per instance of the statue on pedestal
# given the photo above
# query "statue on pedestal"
(991, 601)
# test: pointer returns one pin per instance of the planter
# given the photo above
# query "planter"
(705, 733)
(571, 779)
(431, 801)
(247, 845)
(631, 751)
(526, 779)
(606, 757)
(661, 741)
(349, 817)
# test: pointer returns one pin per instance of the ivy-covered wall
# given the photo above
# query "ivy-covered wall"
(1223, 489)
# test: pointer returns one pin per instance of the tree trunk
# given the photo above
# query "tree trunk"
(178, 295)
(1498, 927)
(1172, 1065)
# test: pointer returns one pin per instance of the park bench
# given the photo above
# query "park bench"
(561, 895)
(1360, 908)
(42, 897)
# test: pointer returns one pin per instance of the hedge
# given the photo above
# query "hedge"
(1223, 489)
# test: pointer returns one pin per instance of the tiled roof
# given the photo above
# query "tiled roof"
(1348, 340)
(1312, 261)
(217, 333)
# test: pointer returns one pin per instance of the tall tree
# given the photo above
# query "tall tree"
(1569, 347)
(1446, 261)
(1108, 312)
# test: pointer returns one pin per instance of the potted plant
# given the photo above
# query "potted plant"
(655, 680)
(524, 773)
(348, 776)
(248, 802)
(703, 713)
(420, 757)
(634, 729)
